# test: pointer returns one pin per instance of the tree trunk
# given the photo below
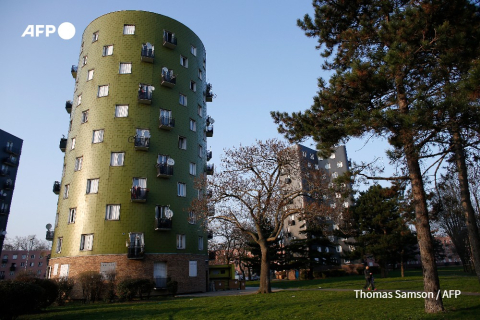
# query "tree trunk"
(402, 268)
(265, 286)
(467, 207)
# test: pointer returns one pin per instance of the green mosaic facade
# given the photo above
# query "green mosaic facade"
(107, 80)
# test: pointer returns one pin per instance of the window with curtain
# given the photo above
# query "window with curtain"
(200, 74)
(193, 50)
(65, 191)
(121, 111)
(95, 36)
(73, 144)
(97, 136)
(181, 189)
(140, 182)
(182, 100)
(183, 61)
(200, 111)
(182, 143)
(192, 268)
(107, 50)
(85, 116)
(79, 99)
(86, 242)
(112, 212)
(181, 241)
(200, 243)
(193, 125)
(125, 68)
(90, 75)
(59, 247)
(193, 86)
(71, 215)
(192, 217)
(129, 29)
(78, 164)
(193, 169)
(103, 91)
(117, 158)
(92, 185)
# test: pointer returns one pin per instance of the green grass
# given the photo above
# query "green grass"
(313, 303)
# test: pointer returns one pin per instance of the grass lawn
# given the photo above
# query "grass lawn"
(292, 304)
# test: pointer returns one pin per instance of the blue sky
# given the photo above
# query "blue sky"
(258, 60)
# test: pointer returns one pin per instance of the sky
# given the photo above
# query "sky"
(258, 61)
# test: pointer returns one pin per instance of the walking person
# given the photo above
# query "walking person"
(369, 281)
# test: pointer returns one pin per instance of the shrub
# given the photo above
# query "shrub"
(110, 284)
(92, 285)
(17, 298)
(65, 287)
(172, 286)
(144, 286)
(50, 287)
(126, 289)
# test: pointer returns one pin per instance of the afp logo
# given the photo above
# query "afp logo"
(66, 30)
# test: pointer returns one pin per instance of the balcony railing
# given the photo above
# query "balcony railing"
(163, 224)
(142, 143)
(136, 251)
(144, 96)
(166, 123)
(63, 144)
(209, 169)
(4, 171)
(164, 170)
(209, 130)
(147, 54)
(68, 106)
(169, 40)
(10, 149)
(139, 194)
(49, 235)
(209, 94)
(168, 79)
(56, 187)
(11, 161)
(209, 155)
(74, 72)
(160, 283)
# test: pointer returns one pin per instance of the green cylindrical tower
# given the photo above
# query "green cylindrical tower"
(136, 143)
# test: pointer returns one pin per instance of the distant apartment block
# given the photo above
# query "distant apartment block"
(32, 261)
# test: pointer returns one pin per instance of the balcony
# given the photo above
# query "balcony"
(148, 53)
(10, 149)
(49, 235)
(209, 131)
(163, 224)
(209, 170)
(135, 251)
(4, 171)
(145, 94)
(209, 155)
(68, 106)
(142, 143)
(160, 283)
(63, 144)
(56, 187)
(209, 94)
(164, 170)
(169, 40)
(166, 123)
(4, 210)
(74, 72)
(11, 161)
(169, 80)
(139, 194)
(8, 185)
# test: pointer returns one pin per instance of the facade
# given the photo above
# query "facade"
(11, 148)
(334, 166)
(16, 261)
(137, 140)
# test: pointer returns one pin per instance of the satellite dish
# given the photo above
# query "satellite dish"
(170, 162)
(48, 226)
(212, 121)
(168, 213)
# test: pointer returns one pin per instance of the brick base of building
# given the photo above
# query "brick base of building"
(178, 269)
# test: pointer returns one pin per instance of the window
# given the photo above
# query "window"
(200, 243)
(95, 36)
(84, 60)
(183, 61)
(121, 111)
(113, 212)
(338, 195)
(14, 257)
(32, 264)
(59, 245)
(327, 250)
(328, 166)
(192, 217)
(55, 269)
(65, 191)
(116, 159)
(129, 29)
(200, 74)
(332, 156)
(339, 248)
(339, 164)
(345, 204)
(193, 125)
(335, 175)
(72, 212)
(107, 50)
(204, 63)
(102, 91)
(90, 74)
(85, 116)
(181, 189)
(24, 256)
(193, 50)
(97, 136)
(125, 68)
(182, 143)
(79, 99)
(107, 269)
(40, 264)
(142, 138)
(181, 241)
(56, 219)
(182, 100)
(78, 164)
(192, 268)
(193, 169)
(72, 146)
(86, 242)
(200, 111)
(319, 249)
(64, 271)
(92, 185)
(200, 151)
(22, 264)
(193, 86)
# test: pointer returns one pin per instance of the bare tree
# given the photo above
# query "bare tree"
(25, 243)
(258, 187)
